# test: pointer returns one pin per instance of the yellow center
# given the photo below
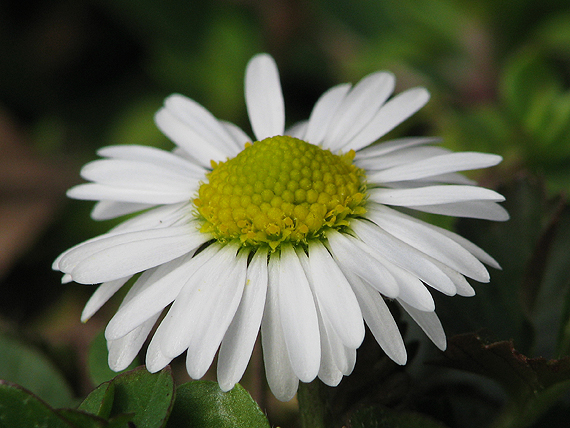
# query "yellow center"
(280, 189)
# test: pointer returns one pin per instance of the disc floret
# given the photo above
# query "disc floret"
(280, 189)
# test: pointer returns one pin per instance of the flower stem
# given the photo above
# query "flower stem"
(314, 408)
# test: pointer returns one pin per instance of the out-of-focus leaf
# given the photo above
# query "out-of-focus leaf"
(526, 75)
(555, 32)
(20, 408)
(533, 384)
(135, 125)
(27, 367)
(380, 417)
(520, 376)
(202, 404)
(525, 300)
(497, 306)
(100, 401)
(551, 253)
(99, 370)
(535, 95)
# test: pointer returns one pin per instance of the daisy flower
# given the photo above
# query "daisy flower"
(295, 234)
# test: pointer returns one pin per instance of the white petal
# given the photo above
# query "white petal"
(298, 130)
(239, 340)
(469, 246)
(217, 308)
(139, 176)
(382, 149)
(280, 376)
(430, 324)
(159, 218)
(485, 210)
(343, 357)
(106, 210)
(323, 112)
(350, 355)
(162, 288)
(126, 254)
(462, 287)
(200, 149)
(432, 195)
(263, 97)
(237, 134)
(429, 241)
(298, 316)
(206, 303)
(390, 115)
(329, 373)
(451, 178)
(430, 167)
(412, 290)
(101, 192)
(103, 293)
(358, 108)
(380, 321)
(155, 359)
(203, 123)
(123, 351)
(354, 258)
(400, 254)
(152, 155)
(335, 298)
(397, 158)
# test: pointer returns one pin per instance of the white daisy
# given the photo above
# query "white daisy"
(294, 235)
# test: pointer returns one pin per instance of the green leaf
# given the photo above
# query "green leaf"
(100, 401)
(20, 408)
(202, 404)
(25, 366)
(149, 396)
(81, 419)
(98, 365)
(379, 417)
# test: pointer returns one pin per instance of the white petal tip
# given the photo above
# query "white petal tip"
(154, 367)
(442, 346)
(226, 387)
(422, 93)
(426, 306)
(117, 366)
(401, 359)
(467, 293)
(284, 397)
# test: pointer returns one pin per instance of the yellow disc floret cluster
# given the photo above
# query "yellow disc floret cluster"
(280, 189)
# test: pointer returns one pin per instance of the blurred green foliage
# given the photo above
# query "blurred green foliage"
(75, 76)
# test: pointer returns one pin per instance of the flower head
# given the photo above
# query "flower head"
(297, 234)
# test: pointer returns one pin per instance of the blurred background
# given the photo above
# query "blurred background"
(79, 75)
